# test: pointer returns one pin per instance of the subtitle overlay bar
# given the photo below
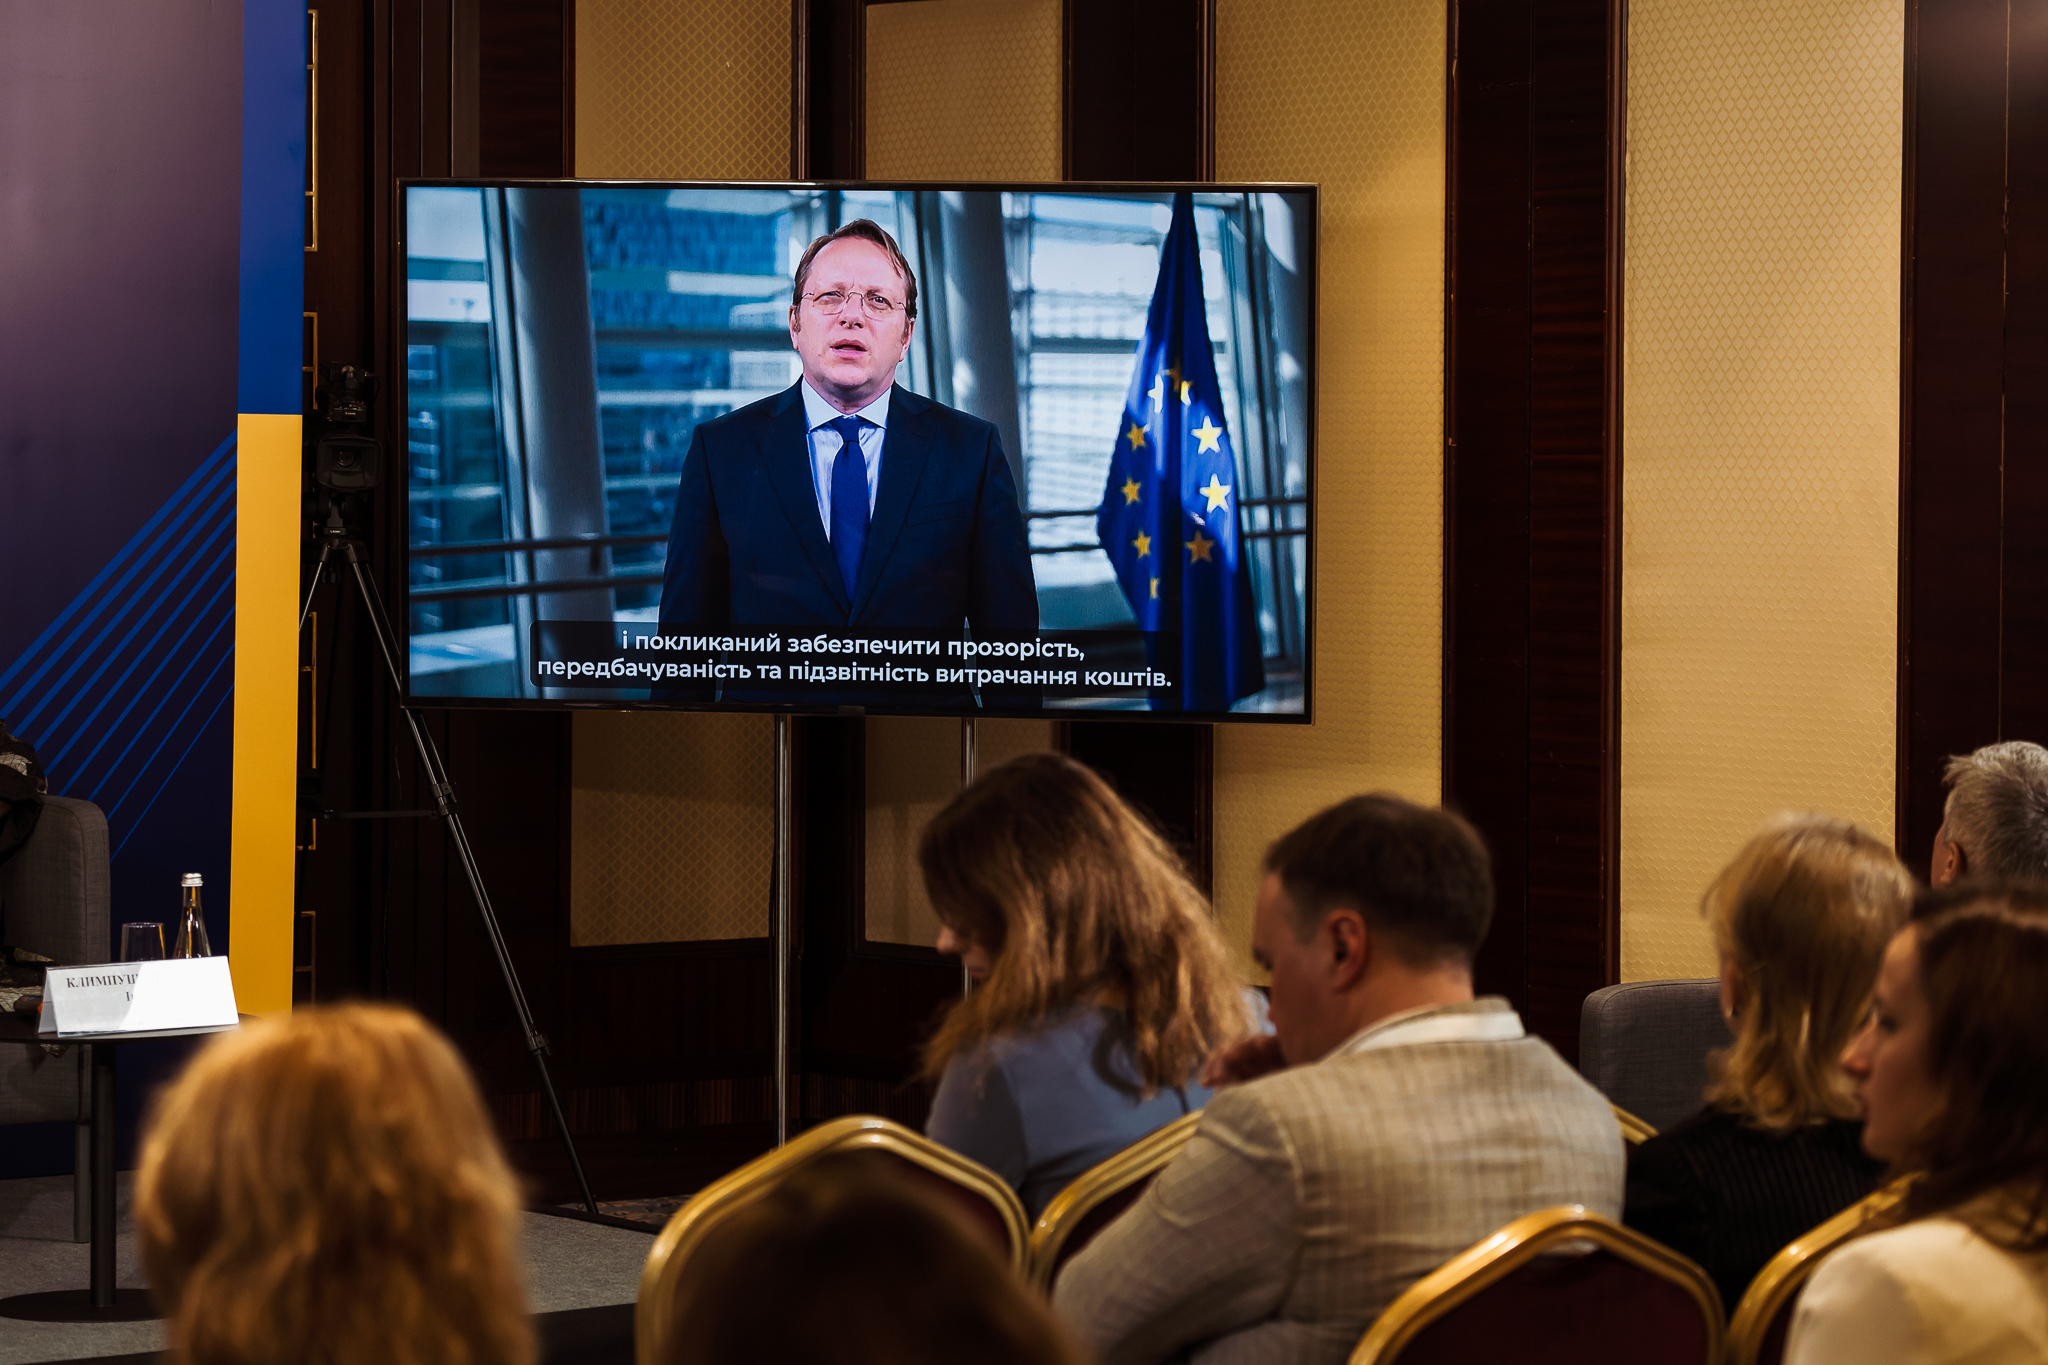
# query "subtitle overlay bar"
(757, 660)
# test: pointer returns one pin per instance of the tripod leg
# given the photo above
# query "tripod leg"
(444, 801)
(319, 568)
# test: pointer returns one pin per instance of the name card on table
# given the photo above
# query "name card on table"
(138, 997)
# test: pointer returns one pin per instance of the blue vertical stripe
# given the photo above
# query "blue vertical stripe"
(273, 205)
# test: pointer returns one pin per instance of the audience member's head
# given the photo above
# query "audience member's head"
(1951, 1067)
(846, 1263)
(1054, 892)
(1373, 906)
(1995, 823)
(1801, 918)
(325, 1186)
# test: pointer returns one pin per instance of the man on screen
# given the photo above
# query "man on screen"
(845, 502)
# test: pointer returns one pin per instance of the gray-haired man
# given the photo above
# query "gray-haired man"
(1996, 821)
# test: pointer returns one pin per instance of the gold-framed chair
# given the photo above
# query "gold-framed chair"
(1097, 1195)
(1523, 1295)
(985, 1197)
(1756, 1334)
(1634, 1131)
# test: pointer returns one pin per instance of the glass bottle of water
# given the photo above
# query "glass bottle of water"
(191, 923)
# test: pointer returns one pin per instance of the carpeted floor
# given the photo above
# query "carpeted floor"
(581, 1281)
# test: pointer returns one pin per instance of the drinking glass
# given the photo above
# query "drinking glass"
(142, 942)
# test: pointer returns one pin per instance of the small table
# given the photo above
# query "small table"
(101, 1303)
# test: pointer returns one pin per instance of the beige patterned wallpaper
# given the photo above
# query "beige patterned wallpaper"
(1353, 97)
(682, 91)
(672, 816)
(964, 90)
(913, 768)
(671, 827)
(1760, 485)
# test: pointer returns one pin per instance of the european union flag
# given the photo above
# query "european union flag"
(1169, 514)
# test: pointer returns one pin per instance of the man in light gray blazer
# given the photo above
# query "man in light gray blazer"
(1389, 1122)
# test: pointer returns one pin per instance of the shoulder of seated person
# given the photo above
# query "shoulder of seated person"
(1930, 1254)
(1009, 1044)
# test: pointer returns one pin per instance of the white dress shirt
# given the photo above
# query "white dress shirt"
(825, 445)
(1931, 1292)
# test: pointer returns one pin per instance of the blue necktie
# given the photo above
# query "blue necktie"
(849, 501)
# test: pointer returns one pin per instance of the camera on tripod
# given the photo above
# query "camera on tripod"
(346, 461)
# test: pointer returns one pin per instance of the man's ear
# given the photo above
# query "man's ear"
(1350, 946)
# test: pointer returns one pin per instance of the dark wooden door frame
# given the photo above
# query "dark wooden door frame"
(1973, 483)
(1532, 484)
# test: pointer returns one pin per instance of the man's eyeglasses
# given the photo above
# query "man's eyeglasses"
(831, 301)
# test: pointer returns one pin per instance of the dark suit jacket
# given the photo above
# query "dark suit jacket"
(945, 547)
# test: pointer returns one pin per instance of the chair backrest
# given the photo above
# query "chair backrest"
(54, 896)
(1644, 1044)
(987, 1200)
(1097, 1195)
(1756, 1334)
(1562, 1285)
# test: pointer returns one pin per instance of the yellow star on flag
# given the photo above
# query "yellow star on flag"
(1185, 385)
(1173, 372)
(1144, 544)
(1131, 490)
(1158, 389)
(1155, 590)
(1217, 492)
(1136, 436)
(1199, 548)
(1206, 434)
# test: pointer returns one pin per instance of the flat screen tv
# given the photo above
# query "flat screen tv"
(642, 421)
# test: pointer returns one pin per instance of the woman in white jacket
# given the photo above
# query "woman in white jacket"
(1951, 1070)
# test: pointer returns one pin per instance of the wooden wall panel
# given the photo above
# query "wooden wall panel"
(1529, 751)
(1973, 668)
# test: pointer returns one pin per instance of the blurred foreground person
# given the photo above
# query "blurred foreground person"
(324, 1187)
(1952, 1072)
(1100, 980)
(1389, 1122)
(1801, 918)
(845, 1263)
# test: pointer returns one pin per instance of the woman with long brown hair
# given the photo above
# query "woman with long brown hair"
(324, 1186)
(1800, 918)
(1100, 981)
(1951, 1070)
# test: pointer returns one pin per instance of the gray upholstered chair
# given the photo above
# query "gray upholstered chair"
(1645, 1045)
(54, 900)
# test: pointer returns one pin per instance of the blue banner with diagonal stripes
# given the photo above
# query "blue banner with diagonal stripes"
(118, 689)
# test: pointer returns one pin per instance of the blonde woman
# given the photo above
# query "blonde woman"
(325, 1187)
(1100, 981)
(1801, 918)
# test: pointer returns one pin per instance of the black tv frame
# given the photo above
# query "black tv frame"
(395, 486)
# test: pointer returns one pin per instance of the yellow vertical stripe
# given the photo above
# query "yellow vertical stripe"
(266, 709)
